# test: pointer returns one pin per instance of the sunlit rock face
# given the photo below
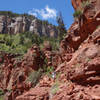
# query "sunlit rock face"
(77, 33)
(22, 24)
(1, 24)
(76, 74)
(79, 61)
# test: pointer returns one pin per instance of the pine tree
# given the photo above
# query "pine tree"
(61, 26)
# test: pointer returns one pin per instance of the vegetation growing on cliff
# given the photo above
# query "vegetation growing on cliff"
(85, 4)
(1, 94)
(61, 27)
(19, 43)
(12, 14)
(77, 13)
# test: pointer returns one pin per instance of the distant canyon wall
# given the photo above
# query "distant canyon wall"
(20, 24)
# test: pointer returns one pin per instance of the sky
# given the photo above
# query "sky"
(43, 9)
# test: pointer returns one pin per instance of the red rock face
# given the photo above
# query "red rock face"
(79, 78)
(14, 74)
(76, 3)
(40, 93)
(77, 64)
(80, 30)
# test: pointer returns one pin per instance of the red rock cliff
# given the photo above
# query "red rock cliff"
(77, 72)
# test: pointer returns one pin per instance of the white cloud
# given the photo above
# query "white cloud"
(46, 13)
(32, 13)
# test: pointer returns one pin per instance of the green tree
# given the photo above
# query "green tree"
(61, 26)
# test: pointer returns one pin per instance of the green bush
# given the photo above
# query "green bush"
(12, 14)
(1, 98)
(4, 47)
(49, 70)
(34, 77)
(19, 43)
(8, 13)
(85, 4)
(77, 14)
(55, 88)
(1, 92)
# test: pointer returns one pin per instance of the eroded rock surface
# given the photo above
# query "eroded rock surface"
(77, 65)
(22, 24)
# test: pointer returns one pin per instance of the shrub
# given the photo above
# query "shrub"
(1, 98)
(86, 4)
(1, 92)
(49, 71)
(19, 43)
(54, 89)
(4, 47)
(34, 77)
(77, 13)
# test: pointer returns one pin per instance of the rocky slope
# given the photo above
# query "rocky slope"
(76, 74)
(20, 24)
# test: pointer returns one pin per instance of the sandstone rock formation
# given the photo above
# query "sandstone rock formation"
(14, 73)
(77, 65)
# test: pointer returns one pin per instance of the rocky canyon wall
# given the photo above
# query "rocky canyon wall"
(22, 24)
(76, 74)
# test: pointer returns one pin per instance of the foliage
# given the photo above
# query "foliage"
(49, 70)
(8, 13)
(98, 26)
(77, 14)
(4, 47)
(55, 88)
(1, 92)
(86, 4)
(61, 27)
(34, 77)
(19, 43)
(1, 98)
(12, 14)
